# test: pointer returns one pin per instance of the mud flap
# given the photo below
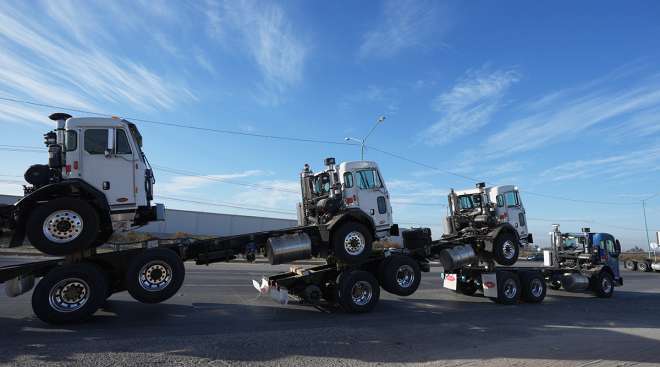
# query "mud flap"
(19, 285)
(450, 281)
(280, 296)
(489, 281)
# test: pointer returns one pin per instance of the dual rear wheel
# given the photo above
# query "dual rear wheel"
(74, 292)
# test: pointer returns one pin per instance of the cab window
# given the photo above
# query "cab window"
(368, 179)
(500, 201)
(96, 141)
(465, 202)
(123, 147)
(348, 180)
(71, 140)
(511, 199)
(609, 246)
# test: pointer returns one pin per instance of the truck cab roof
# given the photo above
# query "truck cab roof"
(76, 122)
(356, 165)
(495, 190)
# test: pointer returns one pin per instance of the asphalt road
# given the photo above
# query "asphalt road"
(217, 319)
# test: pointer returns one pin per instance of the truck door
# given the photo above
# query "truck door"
(516, 213)
(611, 251)
(374, 198)
(108, 164)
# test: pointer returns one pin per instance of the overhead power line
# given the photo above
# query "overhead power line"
(183, 125)
(289, 138)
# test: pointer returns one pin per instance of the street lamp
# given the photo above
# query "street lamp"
(363, 141)
(646, 225)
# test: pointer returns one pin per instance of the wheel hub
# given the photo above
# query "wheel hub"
(62, 226)
(354, 243)
(508, 250)
(510, 289)
(537, 288)
(69, 295)
(155, 276)
(606, 285)
(405, 276)
(361, 293)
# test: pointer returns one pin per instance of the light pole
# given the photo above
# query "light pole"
(363, 141)
(646, 225)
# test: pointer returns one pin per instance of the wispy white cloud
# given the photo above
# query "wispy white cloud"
(264, 30)
(404, 24)
(280, 194)
(613, 166)
(469, 105)
(183, 183)
(564, 115)
(204, 61)
(47, 58)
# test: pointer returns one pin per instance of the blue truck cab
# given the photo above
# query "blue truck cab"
(595, 251)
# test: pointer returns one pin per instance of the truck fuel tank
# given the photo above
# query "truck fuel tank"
(574, 282)
(455, 257)
(288, 248)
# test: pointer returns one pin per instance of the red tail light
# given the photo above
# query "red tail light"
(67, 169)
(75, 165)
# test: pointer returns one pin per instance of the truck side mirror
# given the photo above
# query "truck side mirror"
(110, 148)
(617, 247)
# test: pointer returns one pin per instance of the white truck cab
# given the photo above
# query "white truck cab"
(504, 200)
(97, 181)
(364, 187)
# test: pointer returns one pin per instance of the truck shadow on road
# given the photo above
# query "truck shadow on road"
(454, 328)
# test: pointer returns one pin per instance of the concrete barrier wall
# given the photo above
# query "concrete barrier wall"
(202, 223)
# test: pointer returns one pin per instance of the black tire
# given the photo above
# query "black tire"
(603, 284)
(357, 291)
(73, 226)
(400, 275)
(630, 265)
(155, 275)
(643, 266)
(533, 287)
(352, 242)
(69, 294)
(468, 288)
(506, 248)
(508, 288)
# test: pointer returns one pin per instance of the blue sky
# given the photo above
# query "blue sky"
(562, 99)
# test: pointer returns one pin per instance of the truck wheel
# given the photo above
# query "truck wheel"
(603, 284)
(63, 226)
(508, 288)
(155, 275)
(71, 293)
(555, 284)
(352, 242)
(533, 287)
(630, 265)
(358, 291)
(400, 275)
(506, 249)
(643, 266)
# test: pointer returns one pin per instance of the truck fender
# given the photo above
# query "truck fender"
(349, 215)
(67, 188)
(492, 235)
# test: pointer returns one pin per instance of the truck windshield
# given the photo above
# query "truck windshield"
(467, 202)
(322, 184)
(573, 243)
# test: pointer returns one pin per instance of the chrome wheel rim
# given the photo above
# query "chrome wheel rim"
(69, 295)
(510, 289)
(361, 293)
(405, 276)
(354, 243)
(62, 226)
(606, 285)
(508, 250)
(536, 288)
(155, 276)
